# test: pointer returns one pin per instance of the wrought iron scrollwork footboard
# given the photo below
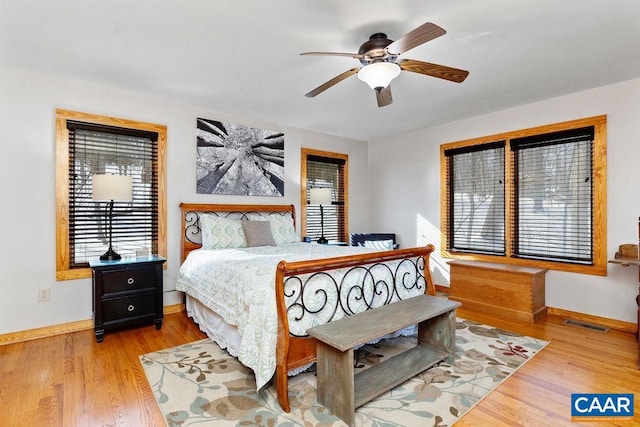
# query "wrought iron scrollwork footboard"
(316, 292)
(329, 295)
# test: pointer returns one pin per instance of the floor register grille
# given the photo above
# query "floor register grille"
(586, 325)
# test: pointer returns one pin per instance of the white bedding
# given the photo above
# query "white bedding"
(238, 284)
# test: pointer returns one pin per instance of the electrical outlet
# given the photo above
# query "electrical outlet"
(43, 294)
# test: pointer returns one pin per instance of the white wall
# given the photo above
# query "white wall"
(27, 173)
(405, 175)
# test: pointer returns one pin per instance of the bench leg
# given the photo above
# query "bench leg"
(440, 332)
(336, 381)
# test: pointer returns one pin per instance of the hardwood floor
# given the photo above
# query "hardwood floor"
(70, 380)
(577, 360)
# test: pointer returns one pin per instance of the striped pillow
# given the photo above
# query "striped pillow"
(381, 245)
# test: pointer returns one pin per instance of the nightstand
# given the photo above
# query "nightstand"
(127, 292)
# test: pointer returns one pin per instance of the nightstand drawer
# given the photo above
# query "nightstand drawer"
(127, 292)
(128, 307)
(129, 279)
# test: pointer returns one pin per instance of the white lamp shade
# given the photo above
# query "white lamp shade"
(112, 187)
(320, 196)
(378, 75)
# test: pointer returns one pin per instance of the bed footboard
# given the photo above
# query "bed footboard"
(356, 283)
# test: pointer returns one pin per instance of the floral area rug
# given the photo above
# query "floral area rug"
(200, 384)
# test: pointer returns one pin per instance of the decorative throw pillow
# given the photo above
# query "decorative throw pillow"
(281, 227)
(382, 245)
(258, 233)
(221, 233)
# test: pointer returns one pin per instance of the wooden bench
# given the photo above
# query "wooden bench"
(342, 392)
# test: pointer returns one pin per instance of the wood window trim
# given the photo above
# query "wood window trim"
(599, 201)
(63, 272)
(305, 153)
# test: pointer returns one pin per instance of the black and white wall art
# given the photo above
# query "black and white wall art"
(239, 160)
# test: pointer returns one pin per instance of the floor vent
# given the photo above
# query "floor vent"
(586, 325)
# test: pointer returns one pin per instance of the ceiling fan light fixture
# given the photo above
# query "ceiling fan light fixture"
(378, 75)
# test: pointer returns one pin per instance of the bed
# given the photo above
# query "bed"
(258, 301)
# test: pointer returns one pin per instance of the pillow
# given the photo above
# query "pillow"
(258, 233)
(382, 245)
(281, 227)
(221, 233)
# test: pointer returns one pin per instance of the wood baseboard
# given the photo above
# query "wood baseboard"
(618, 325)
(46, 331)
(443, 289)
(64, 328)
(175, 308)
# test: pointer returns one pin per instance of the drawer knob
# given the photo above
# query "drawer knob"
(131, 307)
(130, 280)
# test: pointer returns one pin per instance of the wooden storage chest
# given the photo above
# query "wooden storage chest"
(505, 290)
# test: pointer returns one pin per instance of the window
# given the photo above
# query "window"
(476, 198)
(326, 170)
(87, 145)
(534, 197)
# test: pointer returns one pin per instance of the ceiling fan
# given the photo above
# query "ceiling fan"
(379, 57)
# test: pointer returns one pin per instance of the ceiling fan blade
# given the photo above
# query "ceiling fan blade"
(337, 79)
(383, 96)
(422, 34)
(350, 55)
(434, 70)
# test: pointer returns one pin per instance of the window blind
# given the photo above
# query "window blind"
(553, 196)
(326, 172)
(97, 149)
(476, 206)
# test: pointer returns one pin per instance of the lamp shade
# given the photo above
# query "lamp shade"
(112, 187)
(378, 75)
(320, 196)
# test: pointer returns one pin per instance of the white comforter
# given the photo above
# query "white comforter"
(239, 284)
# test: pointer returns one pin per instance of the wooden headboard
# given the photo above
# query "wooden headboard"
(190, 217)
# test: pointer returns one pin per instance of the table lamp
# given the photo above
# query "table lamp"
(111, 188)
(320, 196)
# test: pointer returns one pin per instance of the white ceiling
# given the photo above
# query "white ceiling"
(241, 57)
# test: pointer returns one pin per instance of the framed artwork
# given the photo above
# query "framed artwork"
(238, 160)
